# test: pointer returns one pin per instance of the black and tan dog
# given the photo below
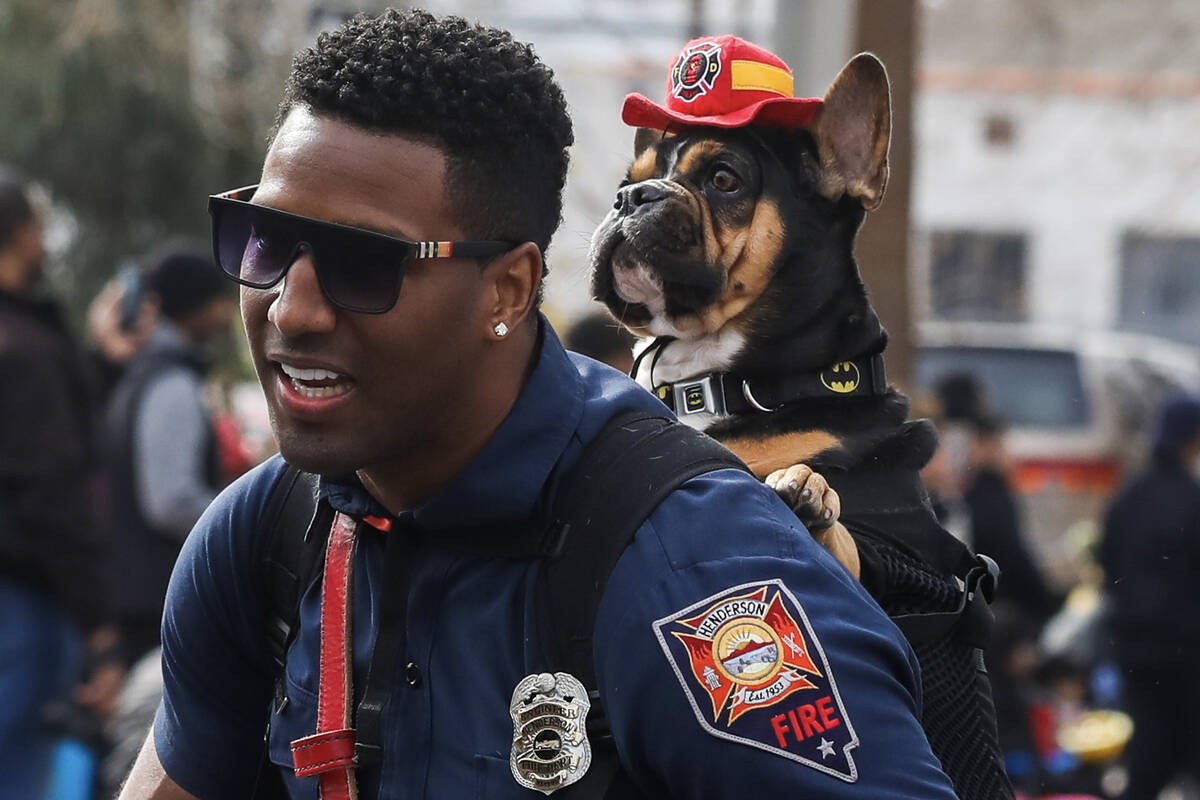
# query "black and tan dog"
(730, 245)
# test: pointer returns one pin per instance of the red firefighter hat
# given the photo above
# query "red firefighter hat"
(727, 82)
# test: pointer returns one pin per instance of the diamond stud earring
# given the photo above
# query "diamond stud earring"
(501, 329)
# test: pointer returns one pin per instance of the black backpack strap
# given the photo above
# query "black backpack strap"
(879, 503)
(622, 476)
(290, 547)
(969, 623)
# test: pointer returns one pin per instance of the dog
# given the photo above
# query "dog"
(729, 250)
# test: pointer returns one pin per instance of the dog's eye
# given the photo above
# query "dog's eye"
(725, 180)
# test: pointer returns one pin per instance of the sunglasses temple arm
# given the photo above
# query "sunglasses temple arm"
(461, 249)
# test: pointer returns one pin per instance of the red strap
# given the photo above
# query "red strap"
(379, 523)
(329, 753)
(323, 752)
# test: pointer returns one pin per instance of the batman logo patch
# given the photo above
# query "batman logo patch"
(754, 673)
(842, 378)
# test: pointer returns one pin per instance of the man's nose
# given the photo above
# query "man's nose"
(300, 306)
(634, 197)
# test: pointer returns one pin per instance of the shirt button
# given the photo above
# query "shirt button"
(412, 674)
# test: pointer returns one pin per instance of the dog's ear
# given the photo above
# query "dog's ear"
(853, 128)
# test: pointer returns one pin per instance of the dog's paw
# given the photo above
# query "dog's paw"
(808, 494)
(818, 507)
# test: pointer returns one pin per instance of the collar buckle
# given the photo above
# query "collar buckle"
(703, 396)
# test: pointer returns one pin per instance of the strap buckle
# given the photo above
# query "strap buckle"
(703, 396)
(984, 577)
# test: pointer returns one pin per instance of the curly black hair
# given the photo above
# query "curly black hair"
(483, 98)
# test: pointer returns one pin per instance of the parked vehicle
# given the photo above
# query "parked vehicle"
(1079, 407)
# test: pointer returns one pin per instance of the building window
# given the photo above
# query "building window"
(1160, 286)
(977, 276)
(999, 131)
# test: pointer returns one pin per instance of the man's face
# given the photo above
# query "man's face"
(350, 391)
(209, 326)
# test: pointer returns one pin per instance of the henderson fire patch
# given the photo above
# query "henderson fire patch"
(754, 673)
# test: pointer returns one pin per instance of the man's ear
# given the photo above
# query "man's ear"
(513, 281)
(853, 128)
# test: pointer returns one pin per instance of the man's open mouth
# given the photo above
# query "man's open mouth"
(314, 382)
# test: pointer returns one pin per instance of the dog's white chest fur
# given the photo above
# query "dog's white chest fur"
(688, 358)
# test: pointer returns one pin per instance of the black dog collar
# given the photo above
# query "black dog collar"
(724, 394)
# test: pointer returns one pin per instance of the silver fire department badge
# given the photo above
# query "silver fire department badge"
(550, 749)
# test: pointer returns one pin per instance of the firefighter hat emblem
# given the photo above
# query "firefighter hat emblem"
(695, 71)
(755, 673)
(727, 82)
(550, 748)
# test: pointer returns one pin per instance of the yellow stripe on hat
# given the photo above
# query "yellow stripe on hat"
(761, 77)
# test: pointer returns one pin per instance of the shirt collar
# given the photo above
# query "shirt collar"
(503, 483)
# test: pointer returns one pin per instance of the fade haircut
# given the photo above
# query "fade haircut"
(482, 98)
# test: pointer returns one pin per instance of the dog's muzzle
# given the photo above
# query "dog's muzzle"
(638, 198)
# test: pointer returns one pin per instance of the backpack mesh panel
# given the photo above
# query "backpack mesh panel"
(958, 716)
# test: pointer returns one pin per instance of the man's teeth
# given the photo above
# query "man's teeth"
(302, 380)
(317, 374)
(312, 392)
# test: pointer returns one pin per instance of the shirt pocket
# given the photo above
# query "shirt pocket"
(296, 719)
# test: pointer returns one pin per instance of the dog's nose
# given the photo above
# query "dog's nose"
(632, 197)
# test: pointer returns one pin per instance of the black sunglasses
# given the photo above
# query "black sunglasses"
(359, 270)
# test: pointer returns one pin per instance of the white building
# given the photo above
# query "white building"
(1057, 159)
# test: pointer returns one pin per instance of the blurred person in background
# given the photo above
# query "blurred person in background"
(973, 436)
(1150, 552)
(996, 523)
(52, 629)
(164, 462)
(165, 467)
(118, 327)
(597, 335)
(975, 490)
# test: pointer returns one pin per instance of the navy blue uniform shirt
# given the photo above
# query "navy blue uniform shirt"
(735, 657)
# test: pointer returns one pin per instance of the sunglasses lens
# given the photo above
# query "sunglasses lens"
(266, 255)
(360, 272)
(250, 246)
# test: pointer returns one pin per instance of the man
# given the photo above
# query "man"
(982, 473)
(162, 448)
(1150, 552)
(50, 590)
(445, 405)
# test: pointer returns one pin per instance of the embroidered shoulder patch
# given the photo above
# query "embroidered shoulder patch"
(754, 673)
